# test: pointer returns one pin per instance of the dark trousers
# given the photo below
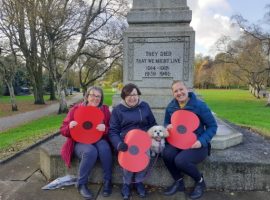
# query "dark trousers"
(184, 161)
(138, 176)
(88, 154)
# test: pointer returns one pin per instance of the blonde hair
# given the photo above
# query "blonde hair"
(178, 81)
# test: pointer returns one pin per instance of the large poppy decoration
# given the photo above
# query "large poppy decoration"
(88, 117)
(135, 159)
(184, 124)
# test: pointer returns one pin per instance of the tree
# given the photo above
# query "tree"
(8, 67)
(246, 60)
(262, 36)
(203, 72)
(89, 27)
(91, 69)
(115, 75)
(223, 73)
(20, 24)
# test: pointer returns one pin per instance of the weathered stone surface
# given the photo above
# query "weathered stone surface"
(242, 167)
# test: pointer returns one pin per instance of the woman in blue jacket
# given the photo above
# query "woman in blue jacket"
(130, 114)
(180, 161)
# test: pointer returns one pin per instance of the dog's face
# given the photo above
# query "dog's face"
(158, 132)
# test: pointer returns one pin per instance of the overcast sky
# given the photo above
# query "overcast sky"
(211, 19)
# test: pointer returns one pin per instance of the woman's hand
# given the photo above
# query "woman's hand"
(196, 145)
(101, 127)
(169, 127)
(72, 124)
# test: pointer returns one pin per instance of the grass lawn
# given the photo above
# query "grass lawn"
(108, 93)
(16, 139)
(239, 107)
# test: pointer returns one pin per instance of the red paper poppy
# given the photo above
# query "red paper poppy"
(184, 123)
(136, 158)
(88, 117)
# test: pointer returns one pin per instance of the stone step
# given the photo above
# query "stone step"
(242, 167)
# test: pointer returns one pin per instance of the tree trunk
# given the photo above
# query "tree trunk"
(258, 93)
(38, 87)
(12, 96)
(268, 101)
(62, 100)
(52, 89)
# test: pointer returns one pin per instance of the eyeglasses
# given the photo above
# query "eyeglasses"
(132, 95)
(95, 96)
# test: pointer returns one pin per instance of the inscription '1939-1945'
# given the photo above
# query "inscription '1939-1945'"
(157, 63)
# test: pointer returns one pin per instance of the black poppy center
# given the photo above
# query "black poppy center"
(87, 125)
(181, 129)
(134, 150)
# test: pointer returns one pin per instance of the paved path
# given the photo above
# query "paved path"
(18, 119)
(21, 179)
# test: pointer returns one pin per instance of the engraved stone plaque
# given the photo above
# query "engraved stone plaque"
(158, 58)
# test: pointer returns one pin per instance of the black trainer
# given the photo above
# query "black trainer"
(85, 192)
(140, 189)
(125, 191)
(107, 188)
(175, 187)
(198, 190)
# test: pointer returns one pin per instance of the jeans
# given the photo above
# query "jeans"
(184, 161)
(88, 154)
(138, 176)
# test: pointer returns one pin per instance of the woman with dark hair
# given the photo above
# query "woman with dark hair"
(131, 113)
(88, 153)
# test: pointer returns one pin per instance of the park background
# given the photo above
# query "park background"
(51, 51)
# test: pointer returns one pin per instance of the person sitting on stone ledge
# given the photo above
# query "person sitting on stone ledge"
(179, 161)
(130, 114)
(88, 153)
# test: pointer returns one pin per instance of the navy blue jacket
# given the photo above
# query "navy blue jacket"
(124, 119)
(208, 125)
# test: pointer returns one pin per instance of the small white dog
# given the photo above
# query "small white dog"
(158, 134)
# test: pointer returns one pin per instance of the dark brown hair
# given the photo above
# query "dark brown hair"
(127, 89)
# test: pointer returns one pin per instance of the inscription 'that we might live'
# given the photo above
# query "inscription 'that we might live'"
(158, 60)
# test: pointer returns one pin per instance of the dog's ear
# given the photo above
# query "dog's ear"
(151, 130)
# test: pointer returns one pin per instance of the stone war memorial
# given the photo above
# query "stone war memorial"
(159, 48)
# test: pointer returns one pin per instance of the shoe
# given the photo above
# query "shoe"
(85, 192)
(107, 188)
(140, 189)
(198, 190)
(125, 191)
(175, 187)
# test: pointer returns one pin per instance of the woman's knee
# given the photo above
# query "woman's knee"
(91, 151)
(103, 147)
(180, 163)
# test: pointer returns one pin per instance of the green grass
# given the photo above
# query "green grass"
(108, 93)
(239, 107)
(31, 131)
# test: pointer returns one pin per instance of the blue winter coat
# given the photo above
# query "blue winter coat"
(208, 125)
(124, 119)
